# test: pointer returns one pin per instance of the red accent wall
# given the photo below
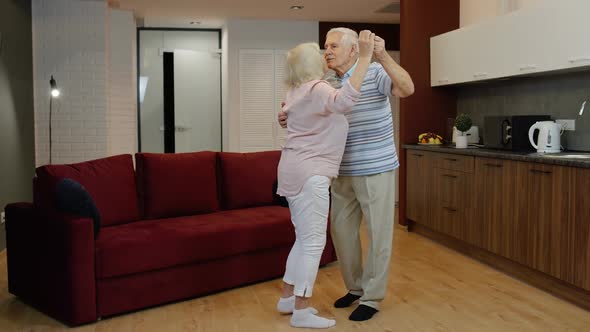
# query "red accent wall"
(428, 108)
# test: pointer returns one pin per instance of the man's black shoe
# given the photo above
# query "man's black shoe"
(346, 300)
(362, 312)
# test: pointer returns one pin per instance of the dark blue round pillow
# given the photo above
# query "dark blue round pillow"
(72, 197)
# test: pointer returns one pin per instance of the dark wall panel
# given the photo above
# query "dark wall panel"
(428, 108)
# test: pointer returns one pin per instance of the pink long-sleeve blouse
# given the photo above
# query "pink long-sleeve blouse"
(316, 133)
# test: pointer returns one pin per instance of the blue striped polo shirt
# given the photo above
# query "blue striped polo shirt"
(370, 148)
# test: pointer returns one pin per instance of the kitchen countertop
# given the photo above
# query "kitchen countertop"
(502, 154)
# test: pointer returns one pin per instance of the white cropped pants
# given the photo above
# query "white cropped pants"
(309, 214)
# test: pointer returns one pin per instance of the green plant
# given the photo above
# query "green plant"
(463, 122)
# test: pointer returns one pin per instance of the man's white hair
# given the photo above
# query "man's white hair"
(349, 37)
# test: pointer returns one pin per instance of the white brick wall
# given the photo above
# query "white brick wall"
(122, 114)
(74, 41)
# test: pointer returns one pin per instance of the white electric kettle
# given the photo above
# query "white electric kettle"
(549, 137)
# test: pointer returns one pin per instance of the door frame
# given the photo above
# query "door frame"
(138, 63)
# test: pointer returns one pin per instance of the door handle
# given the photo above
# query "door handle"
(450, 209)
(450, 176)
(493, 165)
(539, 171)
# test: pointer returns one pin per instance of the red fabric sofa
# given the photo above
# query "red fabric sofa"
(178, 226)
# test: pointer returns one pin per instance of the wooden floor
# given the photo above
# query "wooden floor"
(431, 288)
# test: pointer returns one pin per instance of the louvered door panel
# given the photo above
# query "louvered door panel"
(257, 96)
(280, 94)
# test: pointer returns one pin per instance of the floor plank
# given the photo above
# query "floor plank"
(431, 288)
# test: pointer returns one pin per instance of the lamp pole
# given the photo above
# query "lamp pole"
(50, 107)
(54, 94)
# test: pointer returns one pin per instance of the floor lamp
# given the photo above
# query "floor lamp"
(54, 94)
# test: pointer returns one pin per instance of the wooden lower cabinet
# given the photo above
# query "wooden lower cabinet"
(578, 238)
(418, 183)
(494, 217)
(542, 223)
(451, 200)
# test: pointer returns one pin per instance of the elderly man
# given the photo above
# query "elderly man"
(366, 184)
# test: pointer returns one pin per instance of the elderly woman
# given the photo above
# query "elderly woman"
(317, 131)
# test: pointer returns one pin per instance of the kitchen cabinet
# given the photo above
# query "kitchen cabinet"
(542, 222)
(451, 198)
(535, 214)
(495, 216)
(578, 232)
(546, 37)
(419, 169)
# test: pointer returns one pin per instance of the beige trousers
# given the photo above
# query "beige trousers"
(374, 197)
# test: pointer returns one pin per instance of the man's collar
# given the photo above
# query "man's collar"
(350, 71)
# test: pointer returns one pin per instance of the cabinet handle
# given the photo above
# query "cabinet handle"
(450, 159)
(528, 67)
(449, 209)
(493, 165)
(450, 176)
(417, 155)
(574, 60)
(538, 171)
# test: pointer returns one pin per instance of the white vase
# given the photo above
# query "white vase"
(461, 142)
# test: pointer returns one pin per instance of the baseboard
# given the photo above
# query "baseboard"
(552, 285)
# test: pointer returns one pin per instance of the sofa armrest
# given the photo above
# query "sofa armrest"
(50, 260)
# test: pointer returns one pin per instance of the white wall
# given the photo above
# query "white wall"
(474, 11)
(122, 88)
(254, 34)
(92, 61)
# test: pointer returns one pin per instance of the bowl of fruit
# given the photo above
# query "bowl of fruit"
(430, 139)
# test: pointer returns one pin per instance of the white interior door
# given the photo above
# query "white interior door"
(197, 89)
(197, 100)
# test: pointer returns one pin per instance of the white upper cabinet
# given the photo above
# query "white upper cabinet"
(550, 36)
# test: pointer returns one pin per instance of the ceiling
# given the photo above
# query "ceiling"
(213, 13)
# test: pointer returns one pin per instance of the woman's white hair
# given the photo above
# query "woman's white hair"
(349, 37)
(304, 63)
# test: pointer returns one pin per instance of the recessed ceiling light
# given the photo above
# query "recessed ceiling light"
(296, 7)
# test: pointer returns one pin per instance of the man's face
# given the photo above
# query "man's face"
(338, 57)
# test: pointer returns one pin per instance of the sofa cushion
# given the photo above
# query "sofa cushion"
(161, 243)
(177, 184)
(110, 181)
(246, 179)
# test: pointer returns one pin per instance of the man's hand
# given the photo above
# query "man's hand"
(366, 43)
(379, 49)
(282, 118)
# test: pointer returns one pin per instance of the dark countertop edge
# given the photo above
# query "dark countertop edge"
(501, 154)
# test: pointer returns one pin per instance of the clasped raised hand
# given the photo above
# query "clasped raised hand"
(366, 43)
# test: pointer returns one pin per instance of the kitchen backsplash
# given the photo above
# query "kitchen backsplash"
(559, 95)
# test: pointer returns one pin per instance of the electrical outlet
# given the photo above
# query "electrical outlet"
(568, 124)
(3, 218)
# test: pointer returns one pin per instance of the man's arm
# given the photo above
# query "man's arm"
(402, 82)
